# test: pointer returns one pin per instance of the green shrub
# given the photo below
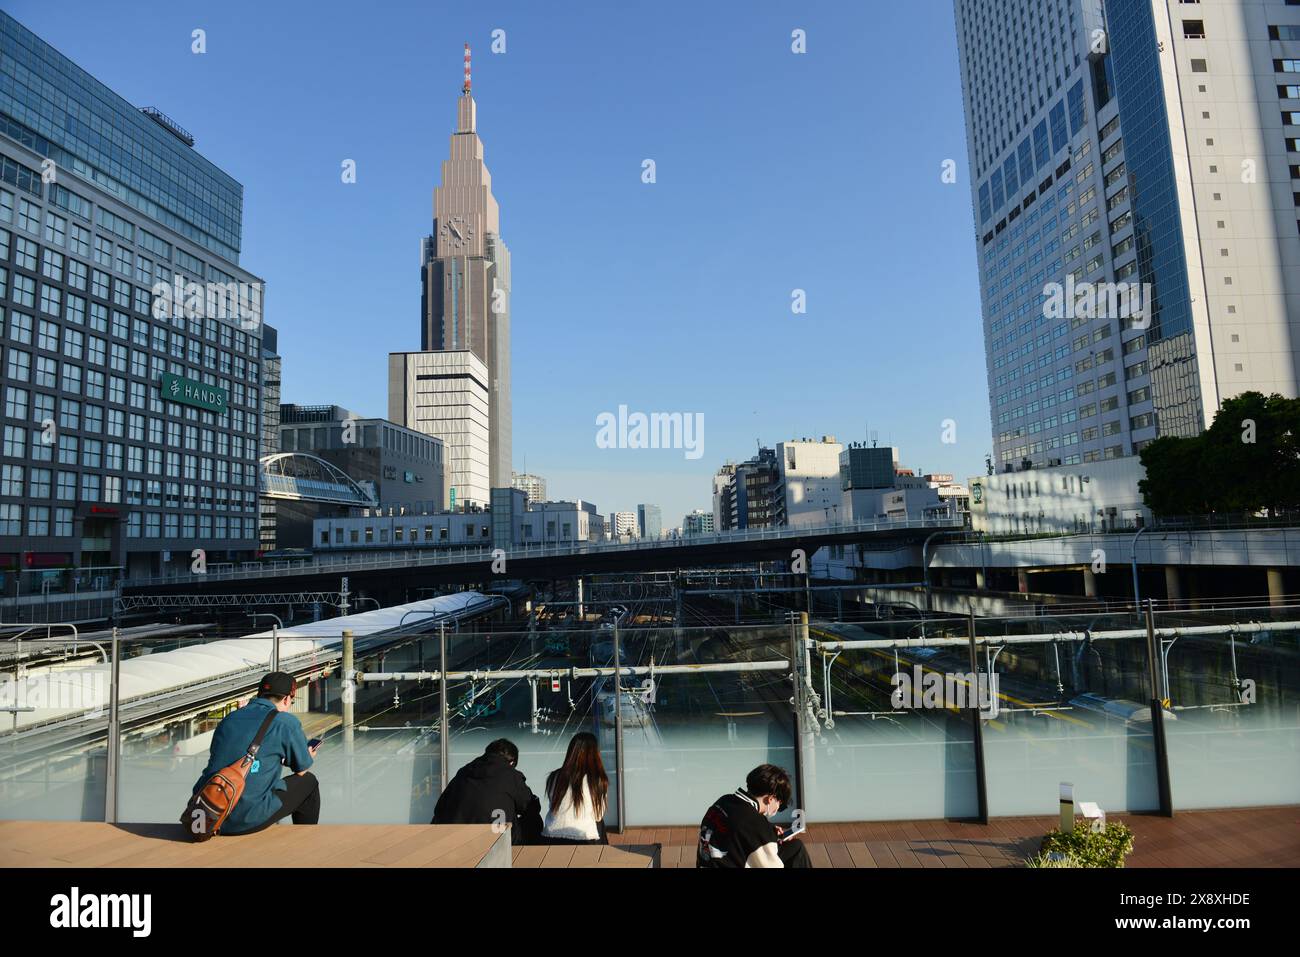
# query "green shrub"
(1049, 860)
(1083, 848)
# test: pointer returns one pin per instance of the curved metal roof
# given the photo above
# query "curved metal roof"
(302, 477)
(171, 671)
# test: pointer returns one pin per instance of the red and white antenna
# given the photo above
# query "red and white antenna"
(466, 87)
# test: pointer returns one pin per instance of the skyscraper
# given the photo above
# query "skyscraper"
(649, 521)
(465, 272)
(445, 394)
(134, 359)
(1134, 182)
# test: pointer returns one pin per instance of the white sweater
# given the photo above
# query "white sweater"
(577, 825)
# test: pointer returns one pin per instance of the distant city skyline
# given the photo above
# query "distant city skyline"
(773, 173)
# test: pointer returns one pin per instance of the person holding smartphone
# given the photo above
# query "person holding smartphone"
(736, 832)
(267, 796)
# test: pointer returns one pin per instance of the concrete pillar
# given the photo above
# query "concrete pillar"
(1173, 583)
(1276, 589)
(1022, 581)
(1089, 583)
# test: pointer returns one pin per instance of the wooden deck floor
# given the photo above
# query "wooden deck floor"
(91, 844)
(587, 855)
(1248, 837)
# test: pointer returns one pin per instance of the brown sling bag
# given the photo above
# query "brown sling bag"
(211, 804)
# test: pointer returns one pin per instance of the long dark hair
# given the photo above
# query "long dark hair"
(582, 762)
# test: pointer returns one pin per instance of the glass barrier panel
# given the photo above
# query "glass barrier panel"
(1234, 739)
(53, 731)
(691, 737)
(882, 755)
(1071, 711)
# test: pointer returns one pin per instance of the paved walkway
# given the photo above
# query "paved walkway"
(1247, 837)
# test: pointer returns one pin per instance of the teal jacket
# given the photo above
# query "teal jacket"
(284, 744)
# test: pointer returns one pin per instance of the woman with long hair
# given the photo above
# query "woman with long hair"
(578, 792)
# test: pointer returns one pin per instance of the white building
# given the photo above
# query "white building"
(559, 522)
(445, 394)
(950, 492)
(534, 486)
(1099, 496)
(622, 524)
(810, 486)
(385, 529)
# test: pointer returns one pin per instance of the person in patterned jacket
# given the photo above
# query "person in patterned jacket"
(736, 831)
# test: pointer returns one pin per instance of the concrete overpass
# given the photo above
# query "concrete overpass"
(425, 567)
(1172, 562)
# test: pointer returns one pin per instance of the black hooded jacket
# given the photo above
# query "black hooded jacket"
(486, 785)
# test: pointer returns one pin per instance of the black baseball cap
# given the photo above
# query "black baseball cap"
(278, 683)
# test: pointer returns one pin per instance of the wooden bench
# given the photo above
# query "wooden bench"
(95, 844)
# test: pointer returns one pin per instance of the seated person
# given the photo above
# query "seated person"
(491, 790)
(578, 791)
(736, 831)
(267, 796)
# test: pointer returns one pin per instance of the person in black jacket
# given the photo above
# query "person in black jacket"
(490, 790)
(736, 832)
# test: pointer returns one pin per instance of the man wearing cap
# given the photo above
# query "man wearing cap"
(267, 796)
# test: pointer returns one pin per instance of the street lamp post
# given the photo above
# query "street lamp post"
(275, 635)
(1133, 557)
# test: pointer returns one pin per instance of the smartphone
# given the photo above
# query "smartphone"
(793, 832)
(313, 743)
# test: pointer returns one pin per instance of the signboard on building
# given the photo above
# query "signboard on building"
(189, 392)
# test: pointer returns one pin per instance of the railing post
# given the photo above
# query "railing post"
(349, 714)
(621, 788)
(977, 727)
(444, 739)
(1158, 741)
(798, 646)
(114, 740)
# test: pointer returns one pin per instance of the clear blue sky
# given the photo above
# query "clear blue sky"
(775, 171)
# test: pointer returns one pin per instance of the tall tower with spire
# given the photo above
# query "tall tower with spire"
(465, 274)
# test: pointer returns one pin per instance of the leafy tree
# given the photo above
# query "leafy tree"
(1248, 460)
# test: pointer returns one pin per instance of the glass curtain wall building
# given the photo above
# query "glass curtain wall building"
(1135, 188)
(131, 415)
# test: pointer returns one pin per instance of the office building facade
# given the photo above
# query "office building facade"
(534, 486)
(446, 395)
(698, 522)
(745, 493)
(1135, 189)
(622, 524)
(649, 522)
(465, 278)
(270, 439)
(401, 465)
(808, 490)
(132, 339)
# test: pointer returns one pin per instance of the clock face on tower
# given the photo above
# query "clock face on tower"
(457, 233)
